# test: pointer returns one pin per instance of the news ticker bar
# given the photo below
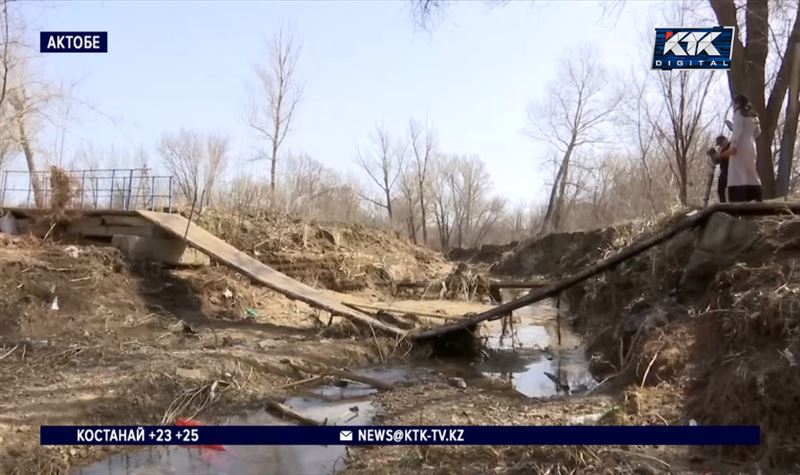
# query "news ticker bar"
(400, 435)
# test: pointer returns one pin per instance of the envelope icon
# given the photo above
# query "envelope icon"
(345, 435)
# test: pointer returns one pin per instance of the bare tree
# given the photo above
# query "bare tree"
(571, 118)
(25, 114)
(475, 210)
(6, 54)
(442, 184)
(384, 165)
(196, 161)
(423, 142)
(408, 189)
(679, 121)
(427, 12)
(271, 114)
(748, 73)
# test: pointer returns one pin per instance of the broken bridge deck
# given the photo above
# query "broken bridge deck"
(218, 249)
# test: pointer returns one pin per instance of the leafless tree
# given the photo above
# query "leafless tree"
(383, 163)
(442, 184)
(6, 54)
(409, 190)
(271, 114)
(475, 209)
(570, 118)
(749, 75)
(679, 120)
(27, 103)
(640, 133)
(425, 13)
(422, 143)
(196, 161)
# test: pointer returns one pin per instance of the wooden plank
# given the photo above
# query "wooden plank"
(690, 220)
(218, 249)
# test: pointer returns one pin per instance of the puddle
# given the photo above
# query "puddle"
(523, 357)
(347, 405)
(532, 350)
(246, 460)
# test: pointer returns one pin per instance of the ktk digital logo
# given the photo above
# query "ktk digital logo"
(693, 48)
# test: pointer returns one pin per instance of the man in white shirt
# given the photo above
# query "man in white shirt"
(743, 181)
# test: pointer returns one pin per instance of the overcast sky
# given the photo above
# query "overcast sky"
(189, 64)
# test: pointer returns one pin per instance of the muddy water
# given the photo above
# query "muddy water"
(538, 355)
(524, 355)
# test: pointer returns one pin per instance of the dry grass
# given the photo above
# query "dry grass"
(753, 376)
(462, 283)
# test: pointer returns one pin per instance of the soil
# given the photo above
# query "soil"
(88, 338)
(123, 343)
(336, 256)
(720, 355)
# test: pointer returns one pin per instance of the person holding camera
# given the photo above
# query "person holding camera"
(722, 144)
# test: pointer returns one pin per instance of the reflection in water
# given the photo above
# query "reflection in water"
(530, 357)
(246, 460)
(348, 405)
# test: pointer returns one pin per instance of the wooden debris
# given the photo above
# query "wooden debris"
(339, 373)
(288, 413)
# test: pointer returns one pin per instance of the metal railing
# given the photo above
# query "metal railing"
(118, 188)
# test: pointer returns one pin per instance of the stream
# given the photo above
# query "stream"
(539, 358)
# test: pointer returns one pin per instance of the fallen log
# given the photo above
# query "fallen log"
(342, 374)
(690, 220)
(287, 412)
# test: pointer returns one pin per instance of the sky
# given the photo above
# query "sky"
(174, 65)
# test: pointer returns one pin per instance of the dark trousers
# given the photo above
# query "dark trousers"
(722, 180)
(739, 194)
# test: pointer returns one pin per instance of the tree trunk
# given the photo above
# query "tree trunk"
(412, 221)
(36, 185)
(682, 173)
(273, 168)
(790, 126)
(423, 215)
(562, 190)
(547, 224)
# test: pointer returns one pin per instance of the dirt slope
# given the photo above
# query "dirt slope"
(341, 257)
(723, 354)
